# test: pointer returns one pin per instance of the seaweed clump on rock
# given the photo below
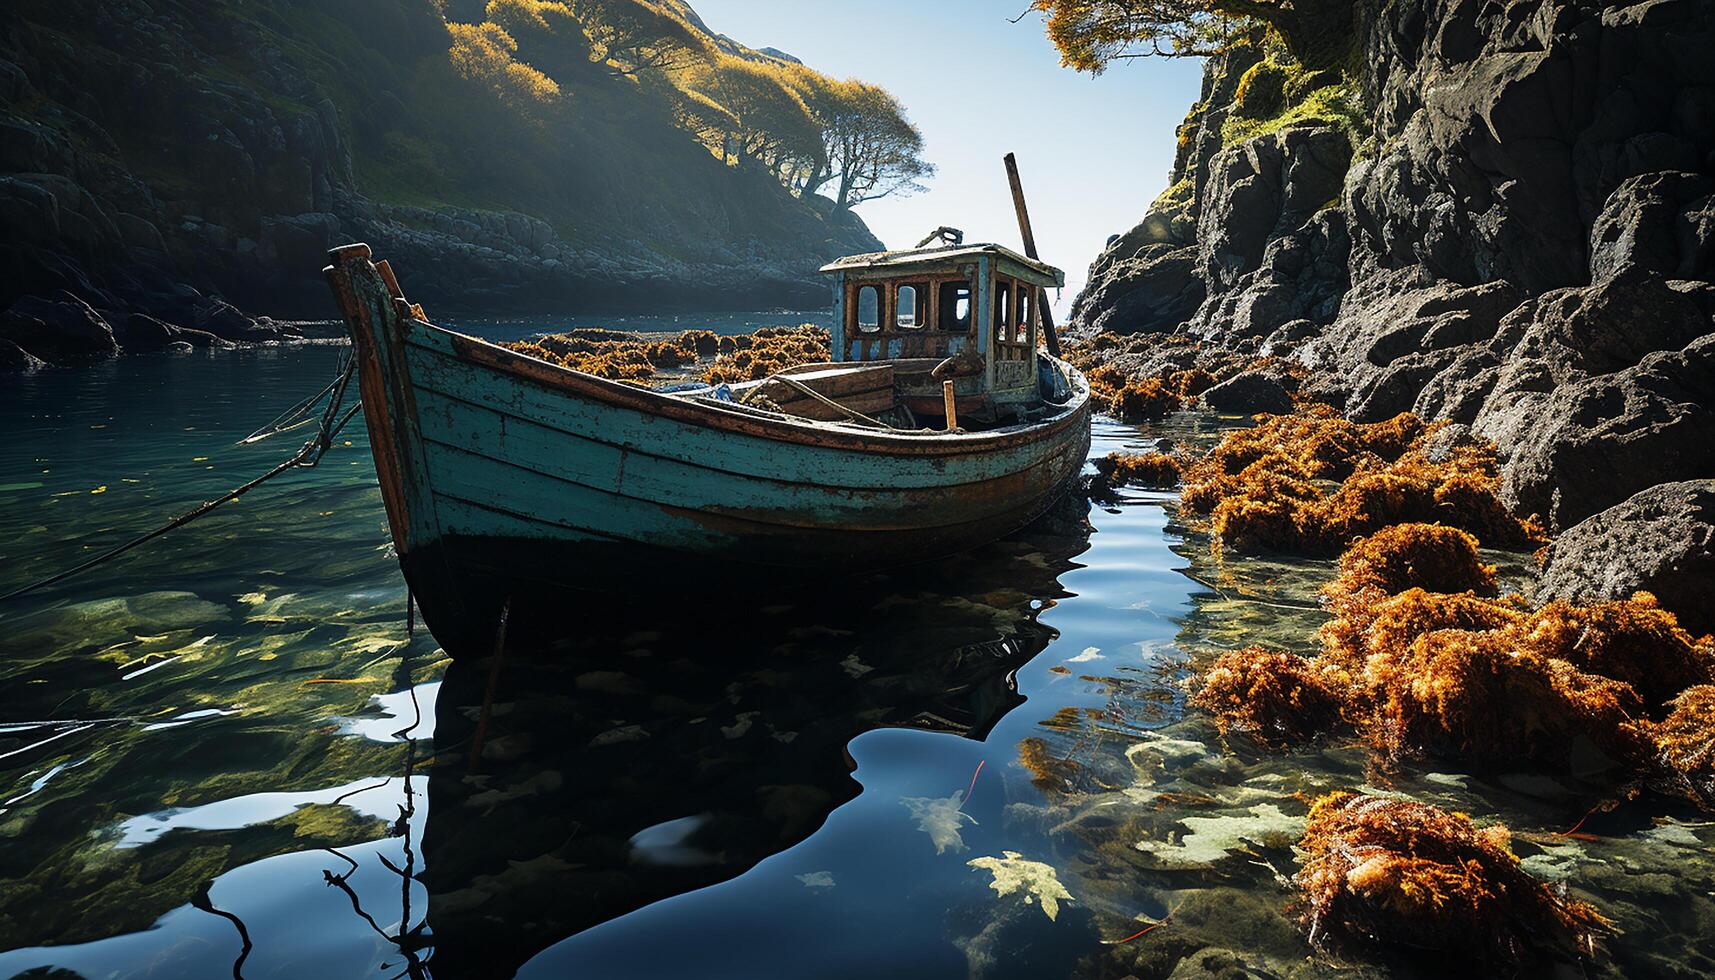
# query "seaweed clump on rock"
(1398, 874)
(1312, 481)
(1148, 377)
(1277, 697)
(1408, 556)
(768, 352)
(1423, 661)
(1157, 470)
(1685, 743)
(616, 354)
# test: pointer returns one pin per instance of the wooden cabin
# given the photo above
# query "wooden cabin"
(916, 308)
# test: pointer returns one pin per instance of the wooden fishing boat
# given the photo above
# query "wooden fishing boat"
(509, 480)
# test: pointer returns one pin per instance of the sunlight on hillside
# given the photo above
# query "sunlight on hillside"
(748, 108)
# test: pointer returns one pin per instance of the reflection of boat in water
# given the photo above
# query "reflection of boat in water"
(642, 763)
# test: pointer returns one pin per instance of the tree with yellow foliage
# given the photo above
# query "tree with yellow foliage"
(632, 36)
(869, 145)
(486, 53)
(548, 35)
(1091, 34)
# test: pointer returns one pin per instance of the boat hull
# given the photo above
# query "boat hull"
(508, 478)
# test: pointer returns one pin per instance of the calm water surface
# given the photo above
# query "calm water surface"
(223, 754)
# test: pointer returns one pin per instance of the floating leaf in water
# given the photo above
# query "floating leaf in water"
(940, 818)
(1012, 873)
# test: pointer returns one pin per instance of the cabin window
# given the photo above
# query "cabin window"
(1025, 316)
(1003, 309)
(868, 309)
(909, 305)
(955, 311)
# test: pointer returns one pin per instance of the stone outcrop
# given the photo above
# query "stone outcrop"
(185, 161)
(1660, 540)
(1520, 237)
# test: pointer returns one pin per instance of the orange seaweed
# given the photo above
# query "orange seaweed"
(1269, 487)
(1276, 697)
(1139, 469)
(1398, 874)
(1685, 744)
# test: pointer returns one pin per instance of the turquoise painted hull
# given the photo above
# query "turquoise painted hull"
(506, 477)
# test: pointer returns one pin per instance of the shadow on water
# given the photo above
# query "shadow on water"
(652, 758)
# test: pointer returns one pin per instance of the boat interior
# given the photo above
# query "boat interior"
(928, 339)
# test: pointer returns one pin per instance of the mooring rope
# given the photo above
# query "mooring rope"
(309, 455)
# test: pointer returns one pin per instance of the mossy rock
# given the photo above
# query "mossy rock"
(1262, 90)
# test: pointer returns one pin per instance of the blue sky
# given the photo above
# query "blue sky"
(1093, 151)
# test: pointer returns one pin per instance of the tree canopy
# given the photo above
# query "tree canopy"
(1091, 34)
(749, 109)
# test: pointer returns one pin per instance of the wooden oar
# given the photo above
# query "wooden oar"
(1030, 250)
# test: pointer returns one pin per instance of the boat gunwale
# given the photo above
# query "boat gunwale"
(906, 491)
(832, 435)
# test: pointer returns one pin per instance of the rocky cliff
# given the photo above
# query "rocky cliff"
(1500, 214)
(165, 161)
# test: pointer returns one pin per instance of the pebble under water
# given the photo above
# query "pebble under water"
(222, 755)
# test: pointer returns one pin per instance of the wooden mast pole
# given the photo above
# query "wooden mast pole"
(1018, 205)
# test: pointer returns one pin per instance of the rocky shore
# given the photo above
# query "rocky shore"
(1498, 216)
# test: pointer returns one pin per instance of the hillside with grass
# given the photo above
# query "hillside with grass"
(167, 158)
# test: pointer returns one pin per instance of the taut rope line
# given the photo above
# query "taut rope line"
(309, 455)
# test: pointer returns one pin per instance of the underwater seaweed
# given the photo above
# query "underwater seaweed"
(1157, 470)
(1395, 873)
(1048, 772)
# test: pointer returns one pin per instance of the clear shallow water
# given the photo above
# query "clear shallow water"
(253, 761)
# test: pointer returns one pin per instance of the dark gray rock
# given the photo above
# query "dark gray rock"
(1262, 189)
(62, 330)
(17, 360)
(1250, 392)
(1156, 289)
(1591, 444)
(1658, 222)
(142, 332)
(215, 316)
(1660, 540)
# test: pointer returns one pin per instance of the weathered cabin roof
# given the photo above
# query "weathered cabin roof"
(904, 259)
